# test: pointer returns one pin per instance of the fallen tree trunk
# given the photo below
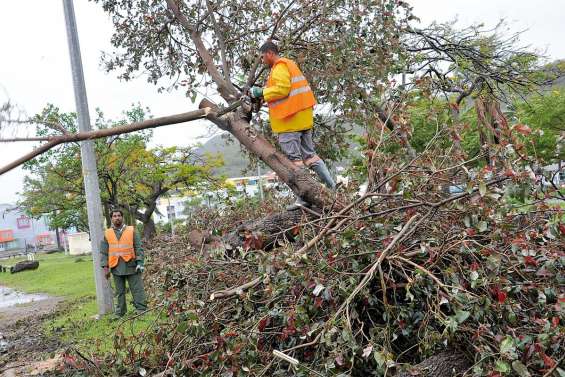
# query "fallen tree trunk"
(266, 232)
(263, 234)
(25, 265)
(444, 364)
(299, 180)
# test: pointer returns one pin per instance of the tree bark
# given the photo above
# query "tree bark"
(149, 230)
(445, 364)
(264, 234)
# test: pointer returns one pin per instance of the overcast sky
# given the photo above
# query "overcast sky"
(35, 68)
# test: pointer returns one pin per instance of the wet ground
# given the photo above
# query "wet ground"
(23, 342)
(10, 297)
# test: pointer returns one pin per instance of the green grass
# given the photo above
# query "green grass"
(78, 327)
(57, 275)
(72, 279)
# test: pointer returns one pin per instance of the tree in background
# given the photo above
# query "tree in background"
(544, 115)
(132, 176)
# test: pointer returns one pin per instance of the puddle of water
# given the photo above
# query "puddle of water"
(10, 297)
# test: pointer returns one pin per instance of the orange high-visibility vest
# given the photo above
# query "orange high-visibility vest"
(122, 248)
(300, 96)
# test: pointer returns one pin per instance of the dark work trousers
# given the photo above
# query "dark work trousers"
(135, 283)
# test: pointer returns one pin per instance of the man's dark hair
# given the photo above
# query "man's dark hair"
(116, 210)
(269, 46)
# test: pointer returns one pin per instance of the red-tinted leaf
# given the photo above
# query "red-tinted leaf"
(470, 232)
(519, 241)
(263, 323)
(509, 173)
(474, 266)
(555, 321)
(252, 242)
(562, 228)
(486, 252)
(530, 261)
(522, 128)
(501, 296)
(548, 361)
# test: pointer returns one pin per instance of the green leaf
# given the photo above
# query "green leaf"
(461, 315)
(502, 367)
(380, 358)
(520, 369)
(181, 328)
(467, 221)
(482, 188)
(507, 348)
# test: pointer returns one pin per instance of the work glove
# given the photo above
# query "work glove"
(106, 272)
(139, 267)
(256, 92)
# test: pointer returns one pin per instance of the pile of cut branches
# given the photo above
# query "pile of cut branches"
(407, 273)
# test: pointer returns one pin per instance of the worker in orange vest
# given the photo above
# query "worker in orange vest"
(291, 113)
(122, 255)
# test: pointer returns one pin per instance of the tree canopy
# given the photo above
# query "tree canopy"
(132, 176)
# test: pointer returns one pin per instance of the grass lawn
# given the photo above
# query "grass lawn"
(72, 278)
(57, 275)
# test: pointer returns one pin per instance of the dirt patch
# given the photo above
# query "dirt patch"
(27, 312)
(27, 344)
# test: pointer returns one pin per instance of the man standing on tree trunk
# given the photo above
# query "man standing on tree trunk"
(122, 255)
(291, 113)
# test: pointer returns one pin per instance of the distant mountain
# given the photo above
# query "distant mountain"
(235, 161)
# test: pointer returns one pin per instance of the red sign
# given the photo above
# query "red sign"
(6, 235)
(23, 222)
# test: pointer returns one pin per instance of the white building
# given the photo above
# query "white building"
(174, 206)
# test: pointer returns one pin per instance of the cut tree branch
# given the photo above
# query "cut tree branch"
(41, 138)
(235, 291)
(97, 134)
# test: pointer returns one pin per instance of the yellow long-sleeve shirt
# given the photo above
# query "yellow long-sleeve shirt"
(302, 120)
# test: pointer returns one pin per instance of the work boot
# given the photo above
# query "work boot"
(298, 203)
(322, 170)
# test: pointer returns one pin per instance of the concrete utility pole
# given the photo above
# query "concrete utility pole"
(89, 172)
